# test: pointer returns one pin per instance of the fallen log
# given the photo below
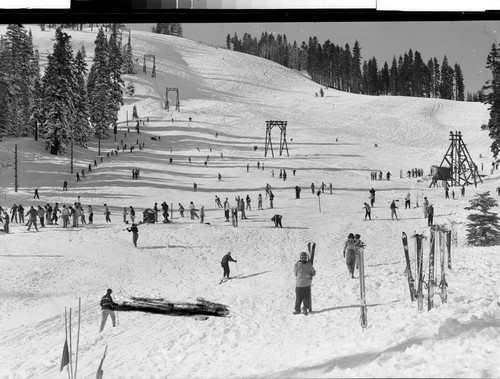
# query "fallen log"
(162, 306)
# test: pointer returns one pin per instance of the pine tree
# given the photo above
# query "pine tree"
(99, 87)
(228, 41)
(385, 81)
(59, 83)
(394, 78)
(356, 77)
(459, 83)
(115, 66)
(483, 228)
(493, 98)
(446, 88)
(82, 130)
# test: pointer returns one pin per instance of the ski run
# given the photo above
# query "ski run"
(225, 99)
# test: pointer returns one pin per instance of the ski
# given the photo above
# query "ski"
(432, 282)
(364, 317)
(311, 247)
(419, 269)
(411, 281)
(444, 253)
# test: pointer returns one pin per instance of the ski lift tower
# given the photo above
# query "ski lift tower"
(177, 103)
(283, 145)
(457, 167)
(150, 56)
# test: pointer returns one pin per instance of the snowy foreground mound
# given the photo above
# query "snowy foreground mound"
(330, 140)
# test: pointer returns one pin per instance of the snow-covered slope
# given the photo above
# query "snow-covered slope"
(228, 97)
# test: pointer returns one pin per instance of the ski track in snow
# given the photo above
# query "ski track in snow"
(234, 94)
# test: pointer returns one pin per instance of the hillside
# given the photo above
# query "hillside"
(338, 139)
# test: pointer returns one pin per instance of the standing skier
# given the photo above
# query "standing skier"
(372, 197)
(407, 201)
(368, 212)
(107, 213)
(271, 199)
(32, 213)
(226, 209)
(192, 211)
(181, 210)
(202, 214)
(430, 215)
(135, 233)
(259, 202)
(107, 305)
(426, 206)
(393, 210)
(304, 272)
(350, 254)
(225, 265)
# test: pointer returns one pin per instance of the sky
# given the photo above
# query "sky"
(464, 42)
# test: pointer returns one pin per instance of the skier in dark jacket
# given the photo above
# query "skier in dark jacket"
(430, 215)
(225, 264)
(107, 306)
(32, 213)
(350, 254)
(304, 272)
(135, 233)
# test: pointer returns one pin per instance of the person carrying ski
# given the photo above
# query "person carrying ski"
(304, 272)
(225, 265)
(393, 210)
(350, 254)
(426, 206)
(368, 211)
(135, 233)
(107, 307)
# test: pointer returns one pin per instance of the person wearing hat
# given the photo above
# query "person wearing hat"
(350, 257)
(304, 272)
(107, 305)
(135, 233)
(225, 265)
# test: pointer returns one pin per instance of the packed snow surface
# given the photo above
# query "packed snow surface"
(339, 138)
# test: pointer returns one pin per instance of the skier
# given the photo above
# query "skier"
(225, 265)
(77, 177)
(135, 233)
(195, 187)
(462, 191)
(20, 211)
(259, 202)
(41, 216)
(234, 216)
(426, 206)
(192, 211)
(217, 201)
(359, 244)
(446, 192)
(271, 198)
(297, 192)
(91, 215)
(125, 215)
(32, 213)
(65, 186)
(82, 214)
(107, 305)
(368, 212)
(407, 201)
(249, 207)
(322, 187)
(331, 189)
(107, 213)
(5, 222)
(181, 210)
(156, 210)
(372, 197)
(36, 194)
(350, 258)
(430, 215)
(226, 209)
(277, 220)
(202, 214)
(132, 214)
(164, 208)
(65, 216)
(13, 213)
(393, 210)
(304, 272)
(312, 188)
(388, 175)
